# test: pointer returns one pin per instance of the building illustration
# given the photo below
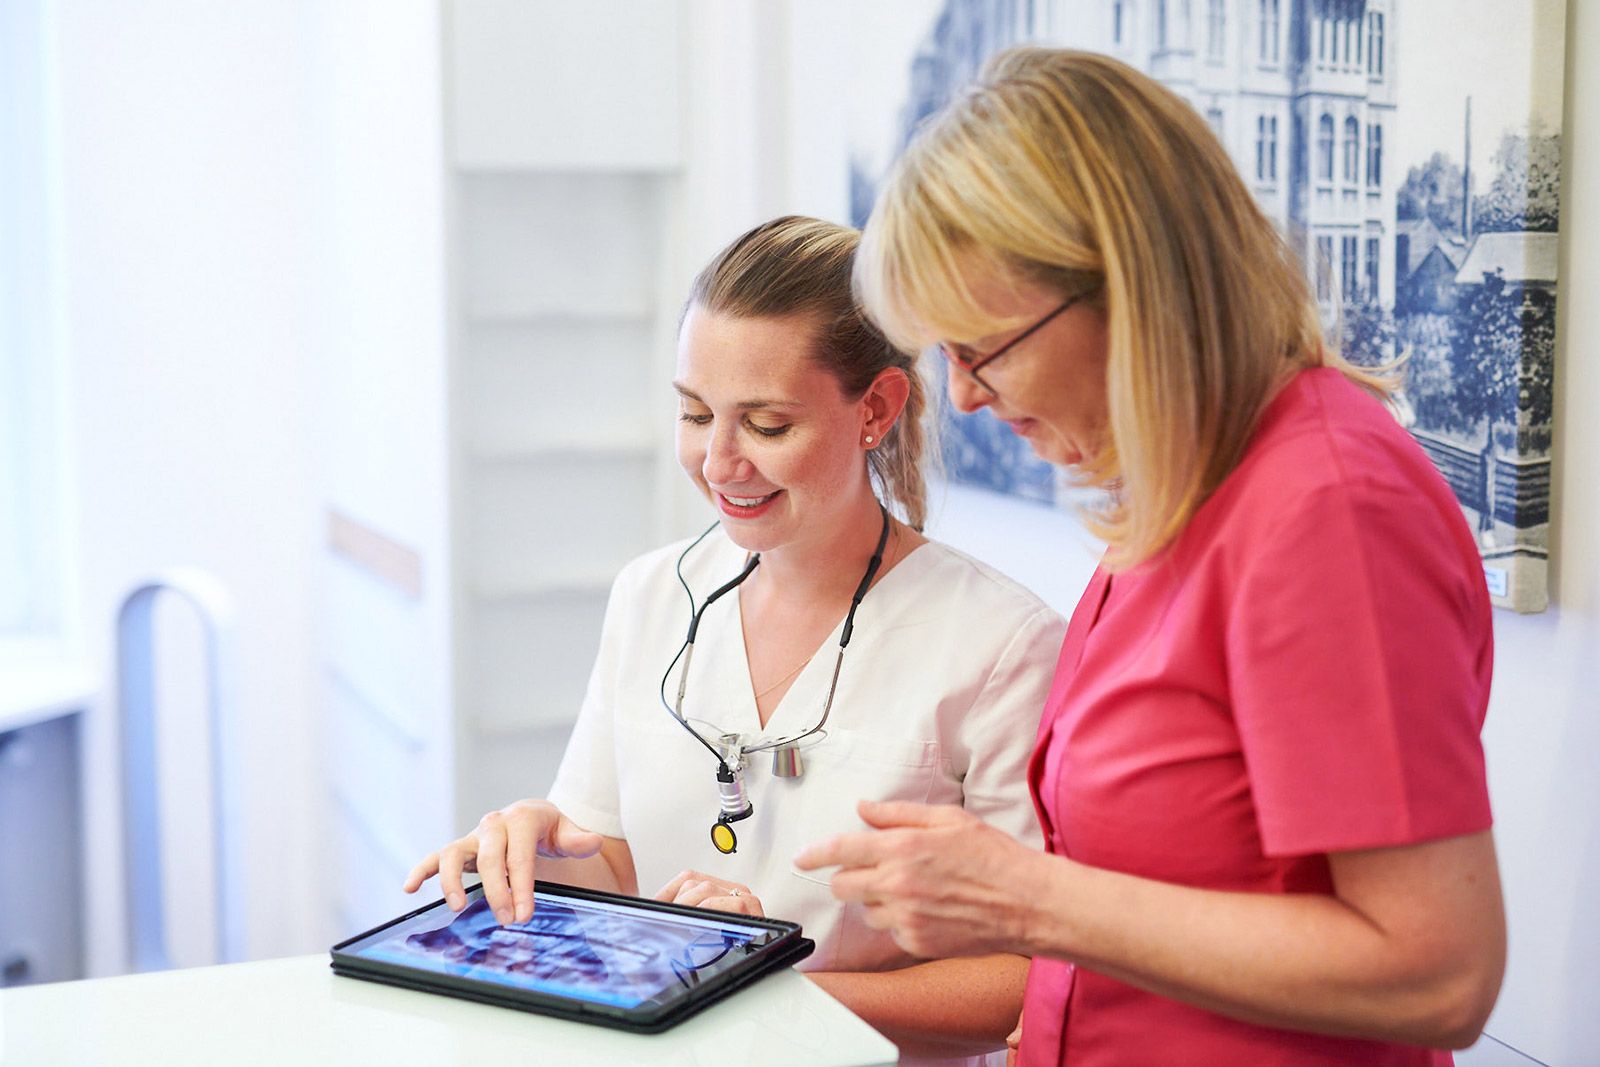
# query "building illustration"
(1449, 269)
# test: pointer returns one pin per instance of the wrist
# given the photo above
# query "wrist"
(1041, 926)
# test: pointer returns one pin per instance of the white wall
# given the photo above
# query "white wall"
(187, 275)
(29, 527)
(382, 728)
(1048, 550)
(1543, 733)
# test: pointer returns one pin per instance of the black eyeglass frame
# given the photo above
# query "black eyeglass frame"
(972, 367)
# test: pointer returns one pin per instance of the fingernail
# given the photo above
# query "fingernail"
(456, 901)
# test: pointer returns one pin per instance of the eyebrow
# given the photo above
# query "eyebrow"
(743, 405)
(972, 347)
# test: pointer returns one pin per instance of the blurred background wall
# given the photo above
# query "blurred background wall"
(366, 309)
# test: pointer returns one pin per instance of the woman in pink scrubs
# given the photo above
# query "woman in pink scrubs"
(1259, 771)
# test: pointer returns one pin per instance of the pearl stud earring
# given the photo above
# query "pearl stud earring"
(869, 438)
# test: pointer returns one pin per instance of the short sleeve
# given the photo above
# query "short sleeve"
(1359, 654)
(586, 788)
(999, 730)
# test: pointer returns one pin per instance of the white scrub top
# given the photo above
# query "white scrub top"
(938, 701)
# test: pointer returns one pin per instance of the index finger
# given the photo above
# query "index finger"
(866, 849)
(519, 868)
(422, 872)
(887, 814)
(452, 861)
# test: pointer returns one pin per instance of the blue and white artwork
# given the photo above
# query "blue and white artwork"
(1410, 150)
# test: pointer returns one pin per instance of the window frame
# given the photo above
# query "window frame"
(1350, 152)
(1349, 268)
(1324, 267)
(1269, 17)
(31, 576)
(1327, 134)
(1267, 148)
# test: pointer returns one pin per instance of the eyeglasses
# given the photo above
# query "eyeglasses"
(972, 366)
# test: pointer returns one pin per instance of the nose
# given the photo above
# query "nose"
(966, 395)
(725, 462)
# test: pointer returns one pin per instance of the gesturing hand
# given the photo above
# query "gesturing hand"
(501, 850)
(939, 880)
(697, 890)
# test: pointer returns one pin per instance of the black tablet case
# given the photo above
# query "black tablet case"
(782, 954)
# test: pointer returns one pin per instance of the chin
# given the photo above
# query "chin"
(753, 537)
(1053, 453)
(1058, 451)
(745, 539)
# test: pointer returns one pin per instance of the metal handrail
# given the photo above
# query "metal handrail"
(141, 805)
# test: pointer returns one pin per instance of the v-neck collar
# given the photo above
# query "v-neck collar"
(749, 712)
(786, 720)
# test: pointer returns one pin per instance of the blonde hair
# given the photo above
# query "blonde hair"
(1074, 171)
(802, 266)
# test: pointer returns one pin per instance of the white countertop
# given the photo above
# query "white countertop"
(35, 688)
(296, 1011)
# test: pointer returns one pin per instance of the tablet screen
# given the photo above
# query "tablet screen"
(589, 950)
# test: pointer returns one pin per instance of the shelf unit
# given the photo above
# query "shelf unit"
(518, 216)
(562, 329)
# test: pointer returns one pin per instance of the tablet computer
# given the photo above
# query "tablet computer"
(593, 957)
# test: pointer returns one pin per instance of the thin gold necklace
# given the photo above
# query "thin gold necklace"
(894, 536)
(798, 668)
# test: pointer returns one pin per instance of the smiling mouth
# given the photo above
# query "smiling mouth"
(748, 501)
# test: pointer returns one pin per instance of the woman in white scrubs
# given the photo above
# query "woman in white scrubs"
(802, 427)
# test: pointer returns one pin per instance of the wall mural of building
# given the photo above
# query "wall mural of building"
(1417, 242)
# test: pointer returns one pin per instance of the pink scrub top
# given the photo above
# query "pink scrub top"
(1305, 670)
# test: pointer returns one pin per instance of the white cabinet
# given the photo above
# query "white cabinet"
(560, 381)
(531, 329)
(564, 158)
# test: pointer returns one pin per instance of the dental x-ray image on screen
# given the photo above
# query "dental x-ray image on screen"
(575, 948)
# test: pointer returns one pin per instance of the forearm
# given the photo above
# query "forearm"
(951, 1007)
(1298, 961)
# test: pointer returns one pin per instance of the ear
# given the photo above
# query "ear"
(883, 402)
